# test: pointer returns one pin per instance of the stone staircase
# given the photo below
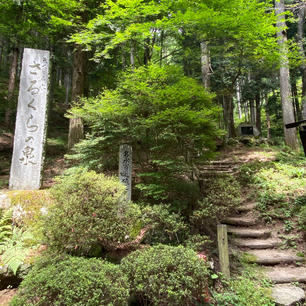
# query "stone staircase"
(261, 244)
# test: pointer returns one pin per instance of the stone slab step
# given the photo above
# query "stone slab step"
(258, 243)
(281, 275)
(240, 221)
(287, 295)
(273, 257)
(246, 207)
(244, 232)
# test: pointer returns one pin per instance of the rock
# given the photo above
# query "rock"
(248, 232)
(240, 221)
(280, 275)
(273, 257)
(287, 295)
(258, 243)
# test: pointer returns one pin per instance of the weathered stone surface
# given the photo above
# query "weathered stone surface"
(241, 221)
(287, 295)
(273, 257)
(248, 232)
(31, 118)
(125, 168)
(5, 201)
(258, 243)
(281, 275)
(246, 207)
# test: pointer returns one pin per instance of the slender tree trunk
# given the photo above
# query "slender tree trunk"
(76, 128)
(297, 110)
(238, 100)
(146, 57)
(246, 111)
(228, 113)
(205, 64)
(132, 55)
(252, 112)
(67, 82)
(11, 87)
(285, 90)
(268, 117)
(301, 38)
(161, 54)
(258, 112)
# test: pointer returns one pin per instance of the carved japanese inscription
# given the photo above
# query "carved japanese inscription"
(125, 168)
(29, 139)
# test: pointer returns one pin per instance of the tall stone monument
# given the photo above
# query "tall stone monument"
(30, 130)
(125, 168)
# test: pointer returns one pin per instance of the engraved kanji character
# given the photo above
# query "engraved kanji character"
(28, 156)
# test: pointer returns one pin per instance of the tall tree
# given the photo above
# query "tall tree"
(284, 77)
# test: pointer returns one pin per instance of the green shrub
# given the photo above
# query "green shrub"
(221, 196)
(168, 118)
(90, 211)
(244, 291)
(166, 227)
(73, 281)
(166, 275)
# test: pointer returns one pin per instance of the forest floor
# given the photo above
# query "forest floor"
(271, 217)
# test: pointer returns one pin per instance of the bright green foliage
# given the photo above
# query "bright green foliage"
(15, 249)
(168, 118)
(164, 275)
(15, 243)
(243, 291)
(73, 281)
(90, 210)
(5, 225)
(167, 228)
(222, 195)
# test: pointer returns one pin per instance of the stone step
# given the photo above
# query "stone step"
(258, 243)
(287, 295)
(273, 257)
(246, 207)
(281, 275)
(241, 221)
(244, 232)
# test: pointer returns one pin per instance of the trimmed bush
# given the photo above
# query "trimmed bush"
(165, 275)
(90, 211)
(73, 281)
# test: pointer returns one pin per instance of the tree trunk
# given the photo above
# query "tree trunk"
(252, 112)
(296, 106)
(228, 113)
(300, 38)
(284, 78)
(238, 99)
(268, 117)
(205, 64)
(11, 87)
(258, 112)
(132, 57)
(76, 128)
(67, 82)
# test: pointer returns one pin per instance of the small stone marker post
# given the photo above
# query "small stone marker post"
(223, 250)
(30, 130)
(125, 168)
